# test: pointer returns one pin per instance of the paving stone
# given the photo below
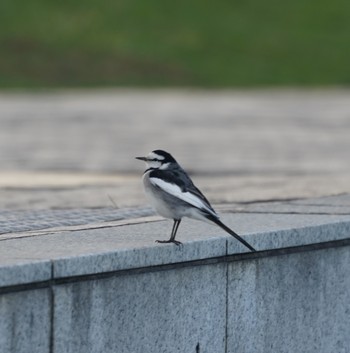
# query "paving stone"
(255, 131)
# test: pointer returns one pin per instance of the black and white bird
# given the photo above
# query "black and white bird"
(173, 194)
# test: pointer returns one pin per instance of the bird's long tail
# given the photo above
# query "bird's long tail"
(230, 231)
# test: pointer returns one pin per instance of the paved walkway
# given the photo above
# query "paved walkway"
(67, 158)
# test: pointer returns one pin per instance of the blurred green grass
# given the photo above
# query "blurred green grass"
(45, 43)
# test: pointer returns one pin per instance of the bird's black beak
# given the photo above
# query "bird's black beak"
(141, 158)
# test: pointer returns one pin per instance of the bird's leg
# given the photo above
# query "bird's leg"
(174, 231)
(173, 234)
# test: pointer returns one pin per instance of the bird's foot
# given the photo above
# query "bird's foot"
(169, 241)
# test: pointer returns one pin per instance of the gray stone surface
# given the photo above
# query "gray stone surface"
(142, 251)
(166, 311)
(268, 231)
(25, 322)
(22, 269)
(21, 221)
(112, 248)
(331, 205)
(288, 304)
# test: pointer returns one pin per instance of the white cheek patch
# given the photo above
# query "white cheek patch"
(176, 191)
(152, 155)
(154, 164)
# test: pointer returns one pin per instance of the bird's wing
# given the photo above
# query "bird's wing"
(172, 184)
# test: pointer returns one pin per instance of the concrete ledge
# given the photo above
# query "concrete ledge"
(24, 271)
(113, 289)
(93, 251)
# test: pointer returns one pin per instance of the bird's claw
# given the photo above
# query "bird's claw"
(169, 241)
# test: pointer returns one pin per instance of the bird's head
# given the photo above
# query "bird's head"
(158, 159)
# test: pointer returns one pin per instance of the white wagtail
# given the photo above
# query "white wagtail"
(173, 194)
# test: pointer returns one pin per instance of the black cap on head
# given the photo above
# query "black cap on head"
(168, 158)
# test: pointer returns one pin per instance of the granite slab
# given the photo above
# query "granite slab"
(106, 249)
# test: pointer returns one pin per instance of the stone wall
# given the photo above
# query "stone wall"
(287, 299)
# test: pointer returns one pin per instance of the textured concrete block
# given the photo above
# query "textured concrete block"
(106, 249)
(122, 248)
(25, 322)
(14, 271)
(273, 231)
(180, 310)
(129, 258)
(292, 303)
